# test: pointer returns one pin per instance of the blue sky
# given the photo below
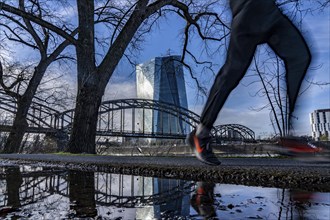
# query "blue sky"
(167, 36)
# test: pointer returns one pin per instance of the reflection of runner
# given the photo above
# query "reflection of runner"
(203, 200)
(254, 22)
(301, 200)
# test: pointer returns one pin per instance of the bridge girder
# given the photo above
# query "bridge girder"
(243, 131)
(49, 120)
(120, 106)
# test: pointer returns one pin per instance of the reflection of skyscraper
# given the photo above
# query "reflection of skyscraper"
(169, 198)
(162, 79)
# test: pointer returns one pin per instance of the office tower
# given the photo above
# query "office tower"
(161, 79)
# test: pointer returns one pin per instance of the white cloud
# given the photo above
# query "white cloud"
(120, 90)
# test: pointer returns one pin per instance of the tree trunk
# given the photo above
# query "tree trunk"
(92, 80)
(23, 104)
(19, 127)
(82, 139)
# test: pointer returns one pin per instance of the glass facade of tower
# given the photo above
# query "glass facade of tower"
(162, 79)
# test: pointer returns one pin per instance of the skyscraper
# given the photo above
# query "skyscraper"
(162, 79)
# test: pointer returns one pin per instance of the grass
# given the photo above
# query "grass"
(62, 153)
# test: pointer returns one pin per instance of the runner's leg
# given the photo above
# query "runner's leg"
(240, 53)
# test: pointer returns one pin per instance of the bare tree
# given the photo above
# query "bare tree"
(22, 30)
(136, 21)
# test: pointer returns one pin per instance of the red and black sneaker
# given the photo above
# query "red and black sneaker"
(296, 145)
(202, 148)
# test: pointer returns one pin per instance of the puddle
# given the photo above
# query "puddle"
(28, 192)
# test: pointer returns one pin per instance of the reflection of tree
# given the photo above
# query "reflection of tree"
(82, 193)
(14, 181)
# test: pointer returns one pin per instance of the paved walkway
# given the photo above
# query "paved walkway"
(273, 172)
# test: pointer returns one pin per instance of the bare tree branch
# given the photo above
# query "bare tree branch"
(268, 96)
(41, 22)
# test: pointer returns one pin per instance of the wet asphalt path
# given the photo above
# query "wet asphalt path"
(273, 172)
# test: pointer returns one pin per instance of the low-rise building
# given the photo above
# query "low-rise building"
(320, 124)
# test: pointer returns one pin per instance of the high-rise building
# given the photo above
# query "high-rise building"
(320, 123)
(162, 79)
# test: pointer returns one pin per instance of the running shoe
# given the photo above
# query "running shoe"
(296, 145)
(202, 149)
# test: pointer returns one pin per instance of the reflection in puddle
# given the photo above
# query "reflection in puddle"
(81, 193)
(48, 193)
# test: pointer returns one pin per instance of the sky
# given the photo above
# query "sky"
(166, 39)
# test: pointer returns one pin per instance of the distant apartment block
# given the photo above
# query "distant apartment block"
(162, 79)
(320, 123)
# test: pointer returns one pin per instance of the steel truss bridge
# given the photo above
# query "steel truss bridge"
(122, 117)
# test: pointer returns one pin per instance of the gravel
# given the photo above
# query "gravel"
(268, 172)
